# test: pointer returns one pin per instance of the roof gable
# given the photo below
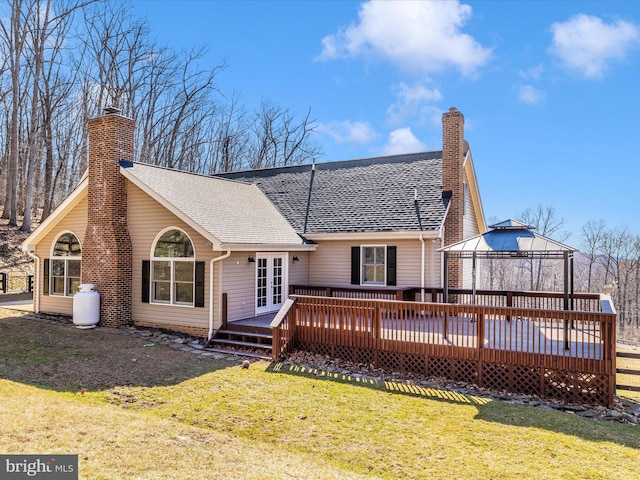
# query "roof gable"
(225, 212)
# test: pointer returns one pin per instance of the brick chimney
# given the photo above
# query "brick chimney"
(106, 252)
(453, 150)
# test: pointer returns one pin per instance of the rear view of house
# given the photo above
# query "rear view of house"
(190, 252)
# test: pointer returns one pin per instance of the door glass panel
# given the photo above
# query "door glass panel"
(261, 294)
(277, 281)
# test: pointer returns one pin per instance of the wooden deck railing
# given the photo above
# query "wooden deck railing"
(562, 354)
(589, 302)
(354, 292)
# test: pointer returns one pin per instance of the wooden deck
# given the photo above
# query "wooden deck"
(562, 354)
(258, 321)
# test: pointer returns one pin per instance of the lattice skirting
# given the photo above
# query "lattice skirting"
(555, 384)
(576, 387)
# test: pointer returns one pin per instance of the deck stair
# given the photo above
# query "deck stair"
(242, 340)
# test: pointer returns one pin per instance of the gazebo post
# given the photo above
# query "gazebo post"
(572, 283)
(566, 299)
(445, 286)
(473, 278)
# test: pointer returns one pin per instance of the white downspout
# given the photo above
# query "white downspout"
(213, 260)
(422, 269)
(36, 282)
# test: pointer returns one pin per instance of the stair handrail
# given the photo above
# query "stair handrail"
(283, 329)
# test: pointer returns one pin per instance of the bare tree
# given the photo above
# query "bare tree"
(14, 36)
(58, 69)
(280, 140)
(230, 141)
(593, 235)
(546, 222)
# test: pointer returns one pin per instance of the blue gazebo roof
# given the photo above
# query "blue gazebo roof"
(510, 238)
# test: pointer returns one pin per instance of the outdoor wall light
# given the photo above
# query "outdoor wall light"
(251, 260)
(295, 258)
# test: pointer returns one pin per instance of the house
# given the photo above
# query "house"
(164, 247)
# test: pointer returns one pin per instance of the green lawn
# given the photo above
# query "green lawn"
(274, 421)
(265, 422)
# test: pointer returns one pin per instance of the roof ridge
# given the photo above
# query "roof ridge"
(186, 172)
(332, 165)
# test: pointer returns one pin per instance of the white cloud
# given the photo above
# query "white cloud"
(348, 131)
(530, 94)
(587, 45)
(402, 140)
(413, 100)
(534, 73)
(421, 36)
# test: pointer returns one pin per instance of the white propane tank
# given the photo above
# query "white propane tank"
(86, 307)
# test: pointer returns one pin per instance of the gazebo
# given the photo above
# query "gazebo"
(511, 239)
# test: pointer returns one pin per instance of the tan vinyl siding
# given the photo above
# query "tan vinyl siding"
(469, 229)
(75, 222)
(239, 277)
(330, 264)
(147, 218)
(299, 271)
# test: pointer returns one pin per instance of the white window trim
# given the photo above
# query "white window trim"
(66, 258)
(384, 264)
(172, 282)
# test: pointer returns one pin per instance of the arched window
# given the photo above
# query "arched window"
(173, 269)
(66, 265)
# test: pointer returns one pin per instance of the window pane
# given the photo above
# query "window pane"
(57, 285)
(161, 291)
(369, 273)
(183, 271)
(73, 268)
(379, 274)
(368, 255)
(184, 293)
(74, 285)
(67, 245)
(162, 270)
(378, 255)
(57, 268)
(173, 243)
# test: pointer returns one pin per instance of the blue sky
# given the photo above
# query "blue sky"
(549, 89)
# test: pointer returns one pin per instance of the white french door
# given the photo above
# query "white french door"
(271, 282)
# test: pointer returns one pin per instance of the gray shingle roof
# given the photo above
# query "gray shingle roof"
(367, 195)
(232, 212)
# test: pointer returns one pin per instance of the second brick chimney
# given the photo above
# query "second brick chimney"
(106, 252)
(453, 150)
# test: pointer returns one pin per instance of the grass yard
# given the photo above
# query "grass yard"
(156, 413)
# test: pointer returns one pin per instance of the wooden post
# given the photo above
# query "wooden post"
(480, 339)
(223, 312)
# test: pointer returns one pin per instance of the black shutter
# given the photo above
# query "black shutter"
(199, 298)
(391, 266)
(355, 265)
(45, 277)
(146, 273)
